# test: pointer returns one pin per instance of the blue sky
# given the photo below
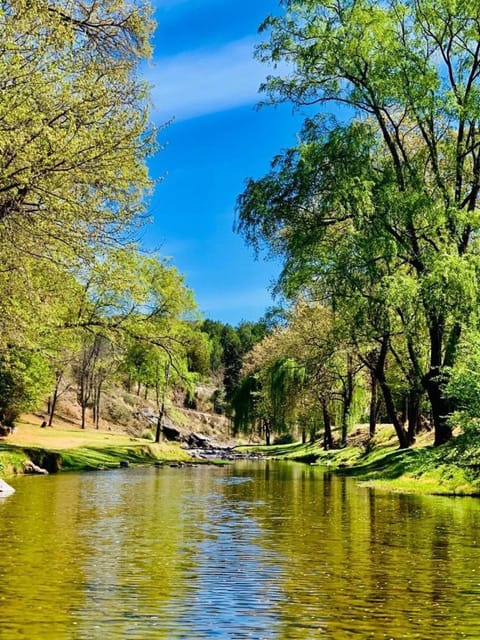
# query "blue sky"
(203, 74)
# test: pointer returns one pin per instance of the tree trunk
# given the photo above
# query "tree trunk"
(435, 379)
(158, 432)
(441, 409)
(98, 395)
(347, 397)
(327, 426)
(373, 405)
(387, 394)
(413, 413)
(393, 416)
(83, 416)
(52, 404)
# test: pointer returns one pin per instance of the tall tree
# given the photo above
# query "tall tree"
(411, 68)
(74, 134)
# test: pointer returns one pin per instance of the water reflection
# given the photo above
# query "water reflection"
(271, 550)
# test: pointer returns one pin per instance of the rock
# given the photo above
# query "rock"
(197, 441)
(171, 433)
(124, 464)
(31, 468)
(5, 489)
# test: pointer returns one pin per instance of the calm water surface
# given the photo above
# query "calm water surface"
(259, 550)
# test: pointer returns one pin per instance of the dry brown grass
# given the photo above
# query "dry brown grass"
(64, 435)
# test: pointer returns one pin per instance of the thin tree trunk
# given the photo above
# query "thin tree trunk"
(161, 412)
(98, 396)
(347, 398)
(327, 426)
(372, 426)
(414, 400)
(434, 381)
(393, 416)
(388, 396)
(52, 404)
(158, 431)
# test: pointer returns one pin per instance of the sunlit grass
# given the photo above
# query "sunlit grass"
(70, 448)
(453, 469)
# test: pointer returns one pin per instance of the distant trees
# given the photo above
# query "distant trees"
(228, 348)
(297, 377)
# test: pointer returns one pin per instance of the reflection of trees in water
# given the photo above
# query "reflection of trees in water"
(278, 550)
(356, 561)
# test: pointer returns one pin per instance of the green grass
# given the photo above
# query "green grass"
(453, 469)
(12, 460)
(13, 457)
(70, 449)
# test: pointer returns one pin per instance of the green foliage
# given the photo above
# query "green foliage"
(284, 438)
(378, 215)
(231, 359)
(246, 405)
(24, 378)
(464, 383)
(286, 379)
(73, 142)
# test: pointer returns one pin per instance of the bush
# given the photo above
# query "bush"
(118, 413)
(284, 438)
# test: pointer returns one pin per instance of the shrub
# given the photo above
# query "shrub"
(284, 438)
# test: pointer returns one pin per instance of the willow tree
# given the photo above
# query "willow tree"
(286, 380)
(411, 67)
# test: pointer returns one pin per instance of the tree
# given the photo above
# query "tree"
(74, 135)
(317, 208)
(411, 69)
(73, 125)
(24, 378)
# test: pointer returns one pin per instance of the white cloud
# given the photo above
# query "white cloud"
(196, 83)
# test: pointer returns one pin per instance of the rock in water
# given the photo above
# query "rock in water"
(31, 467)
(5, 489)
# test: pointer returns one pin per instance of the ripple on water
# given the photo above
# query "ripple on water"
(269, 551)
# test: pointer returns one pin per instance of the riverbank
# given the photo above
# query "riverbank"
(68, 448)
(453, 469)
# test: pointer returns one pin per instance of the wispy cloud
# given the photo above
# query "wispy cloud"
(196, 83)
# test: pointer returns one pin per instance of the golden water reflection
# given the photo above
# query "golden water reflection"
(259, 550)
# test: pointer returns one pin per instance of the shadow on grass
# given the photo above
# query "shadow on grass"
(391, 465)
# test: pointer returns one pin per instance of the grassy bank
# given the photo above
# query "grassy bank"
(67, 448)
(453, 469)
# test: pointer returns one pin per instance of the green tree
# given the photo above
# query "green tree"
(24, 379)
(74, 135)
(411, 69)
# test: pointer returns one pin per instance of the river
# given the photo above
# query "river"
(263, 550)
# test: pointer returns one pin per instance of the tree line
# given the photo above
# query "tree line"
(80, 303)
(374, 213)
